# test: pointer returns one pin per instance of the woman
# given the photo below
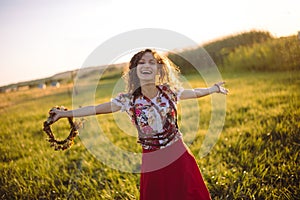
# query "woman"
(169, 171)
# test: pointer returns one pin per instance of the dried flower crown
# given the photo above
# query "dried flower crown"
(69, 141)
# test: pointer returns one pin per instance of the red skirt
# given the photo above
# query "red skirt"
(171, 173)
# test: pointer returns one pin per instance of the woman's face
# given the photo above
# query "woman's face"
(147, 68)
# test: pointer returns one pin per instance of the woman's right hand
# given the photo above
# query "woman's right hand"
(56, 114)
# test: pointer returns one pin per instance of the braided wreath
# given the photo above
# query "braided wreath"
(69, 141)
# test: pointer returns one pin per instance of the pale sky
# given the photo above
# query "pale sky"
(39, 38)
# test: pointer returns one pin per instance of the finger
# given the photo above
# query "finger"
(51, 111)
(226, 91)
(221, 83)
(223, 90)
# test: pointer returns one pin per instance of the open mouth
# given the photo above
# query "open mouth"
(146, 72)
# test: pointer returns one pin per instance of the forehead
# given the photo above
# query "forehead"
(147, 56)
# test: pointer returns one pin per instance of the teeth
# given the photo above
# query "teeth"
(146, 72)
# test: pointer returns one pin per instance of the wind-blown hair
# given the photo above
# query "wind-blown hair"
(168, 73)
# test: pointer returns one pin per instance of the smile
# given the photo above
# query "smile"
(146, 72)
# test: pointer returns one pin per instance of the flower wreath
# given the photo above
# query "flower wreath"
(69, 141)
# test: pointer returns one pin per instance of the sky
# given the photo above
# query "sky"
(39, 38)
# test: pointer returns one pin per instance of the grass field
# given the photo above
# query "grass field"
(256, 156)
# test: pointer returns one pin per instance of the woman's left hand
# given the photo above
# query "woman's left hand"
(221, 89)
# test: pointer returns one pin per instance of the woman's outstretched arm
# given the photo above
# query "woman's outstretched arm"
(201, 92)
(103, 108)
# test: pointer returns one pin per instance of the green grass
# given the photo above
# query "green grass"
(256, 156)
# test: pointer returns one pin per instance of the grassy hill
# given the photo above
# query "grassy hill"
(62, 77)
(249, 51)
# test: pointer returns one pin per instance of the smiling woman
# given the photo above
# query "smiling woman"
(169, 170)
(148, 68)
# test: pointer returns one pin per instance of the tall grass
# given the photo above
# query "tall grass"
(276, 54)
(256, 156)
(250, 51)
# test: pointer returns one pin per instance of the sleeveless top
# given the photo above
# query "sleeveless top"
(155, 119)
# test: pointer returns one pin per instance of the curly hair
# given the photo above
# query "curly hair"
(168, 72)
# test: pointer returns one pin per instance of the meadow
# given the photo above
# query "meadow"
(255, 157)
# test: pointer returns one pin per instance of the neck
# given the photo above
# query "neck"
(149, 90)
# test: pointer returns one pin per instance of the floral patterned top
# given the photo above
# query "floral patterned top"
(155, 119)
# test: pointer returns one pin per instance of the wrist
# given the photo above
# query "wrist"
(213, 89)
(68, 113)
(217, 88)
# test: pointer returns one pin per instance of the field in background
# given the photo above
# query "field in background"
(256, 156)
